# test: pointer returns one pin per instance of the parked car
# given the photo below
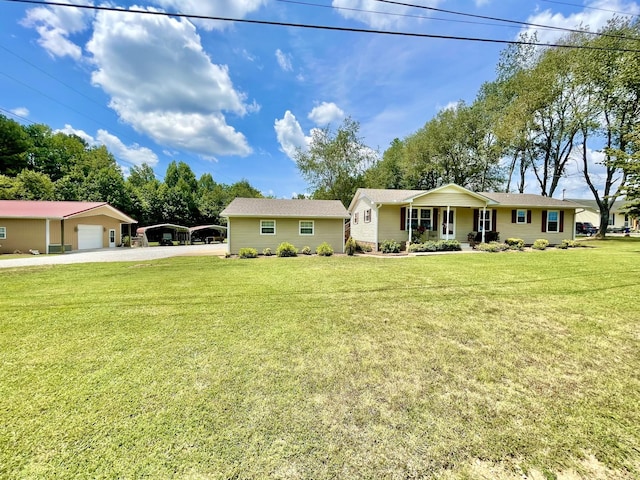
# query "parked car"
(585, 228)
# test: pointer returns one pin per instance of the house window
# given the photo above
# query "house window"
(3, 233)
(356, 217)
(612, 219)
(267, 227)
(626, 221)
(367, 215)
(306, 227)
(552, 221)
(484, 220)
(421, 218)
(521, 216)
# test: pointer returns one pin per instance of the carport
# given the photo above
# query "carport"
(208, 233)
(166, 232)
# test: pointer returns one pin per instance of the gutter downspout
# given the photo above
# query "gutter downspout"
(446, 223)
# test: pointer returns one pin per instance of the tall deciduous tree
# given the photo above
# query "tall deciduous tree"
(335, 163)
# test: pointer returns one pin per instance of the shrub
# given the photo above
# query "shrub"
(351, 246)
(515, 243)
(492, 247)
(569, 244)
(363, 247)
(448, 246)
(285, 249)
(390, 246)
(267, 252)
(306, 250)
(248, 253)
(429, 246)
(540, 244)
(324, 250)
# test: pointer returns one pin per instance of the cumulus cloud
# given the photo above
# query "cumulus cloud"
(132, 154)
(55, 26)
(290, 135)
(594, 18)
(326, 113)
(20, 112)
(219, 8)
(166, 86)
(284, 60)
(375, 14)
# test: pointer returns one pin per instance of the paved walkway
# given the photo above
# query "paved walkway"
(116, 255)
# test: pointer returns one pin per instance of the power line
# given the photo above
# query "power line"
(505, 20)
(325, 27)
(591, 8)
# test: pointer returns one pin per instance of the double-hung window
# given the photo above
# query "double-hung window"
(356, 217)
(267, 227)
(367, 215)
(484, 220)
(306, 227)
(521, 216)
(3, 233)
(553, 221)
(421, 218)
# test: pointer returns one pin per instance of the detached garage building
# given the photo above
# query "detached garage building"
(46, 226)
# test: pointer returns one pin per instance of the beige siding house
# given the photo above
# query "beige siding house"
(265, 223)
(45, 226)
(452, 212)
(590, 212)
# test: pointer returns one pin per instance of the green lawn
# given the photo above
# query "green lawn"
(451, 366)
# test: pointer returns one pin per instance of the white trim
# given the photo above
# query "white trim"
(518, 210)
(557, 230)
(4, 233)
(274, 227)
(313, 228)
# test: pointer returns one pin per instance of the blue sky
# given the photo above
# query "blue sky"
(235, 99)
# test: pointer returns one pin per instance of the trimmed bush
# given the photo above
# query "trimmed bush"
(285, 249)
(324, 250)
(351, 246)
(448, 246)
(363, 247)
(540, 244)
(515, 243)
(390, 246)
(423, 247)
(306, 250)
(492, 247)
(248, 253)
(267, 252)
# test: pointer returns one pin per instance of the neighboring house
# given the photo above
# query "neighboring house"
(453, 212)
(46, 226)
(589, 212)
(265, 223)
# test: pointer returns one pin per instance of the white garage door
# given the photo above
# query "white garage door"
(89, 236)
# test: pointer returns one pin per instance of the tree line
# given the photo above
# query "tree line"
(546, 109)
(37, 163)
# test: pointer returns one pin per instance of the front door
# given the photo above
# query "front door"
(448, 226)
(112, 238)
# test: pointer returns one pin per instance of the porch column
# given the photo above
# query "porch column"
(447, 221)
(129, 232)
(47, 235)
(409, 224)
(484, 215)
(62, 234)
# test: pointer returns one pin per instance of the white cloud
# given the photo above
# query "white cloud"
(219, 8)
(20, 112)
(284, 60)
(290, 135)
(376, 14)
(594, 18)
(326, 113)
(133, 154)
(166, 85)
(55, 26)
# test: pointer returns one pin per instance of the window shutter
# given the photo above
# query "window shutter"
(514, 214)
(544, 220)
(494, 220)
(476, 215)
(403, 218)
(528, 216)
(435, 220)
(561, 220)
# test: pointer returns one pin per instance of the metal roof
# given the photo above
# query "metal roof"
(57, 210)
(271, 207)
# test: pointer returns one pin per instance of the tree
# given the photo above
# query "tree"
(35, 186)
(14, 146)
(335, 163)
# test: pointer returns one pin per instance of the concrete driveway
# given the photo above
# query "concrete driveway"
(116, 255)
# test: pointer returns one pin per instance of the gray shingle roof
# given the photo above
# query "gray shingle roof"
(528, 200)
(271, 207)
(380, 195)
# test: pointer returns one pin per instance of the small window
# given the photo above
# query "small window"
(3, 233)
(306, 227)
(267, 227)
(355, 218)
(521, 216)
(484, 220)
(367, 215)
(552, 221)
(612, 219)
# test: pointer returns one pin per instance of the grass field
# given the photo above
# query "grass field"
(452, 366)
